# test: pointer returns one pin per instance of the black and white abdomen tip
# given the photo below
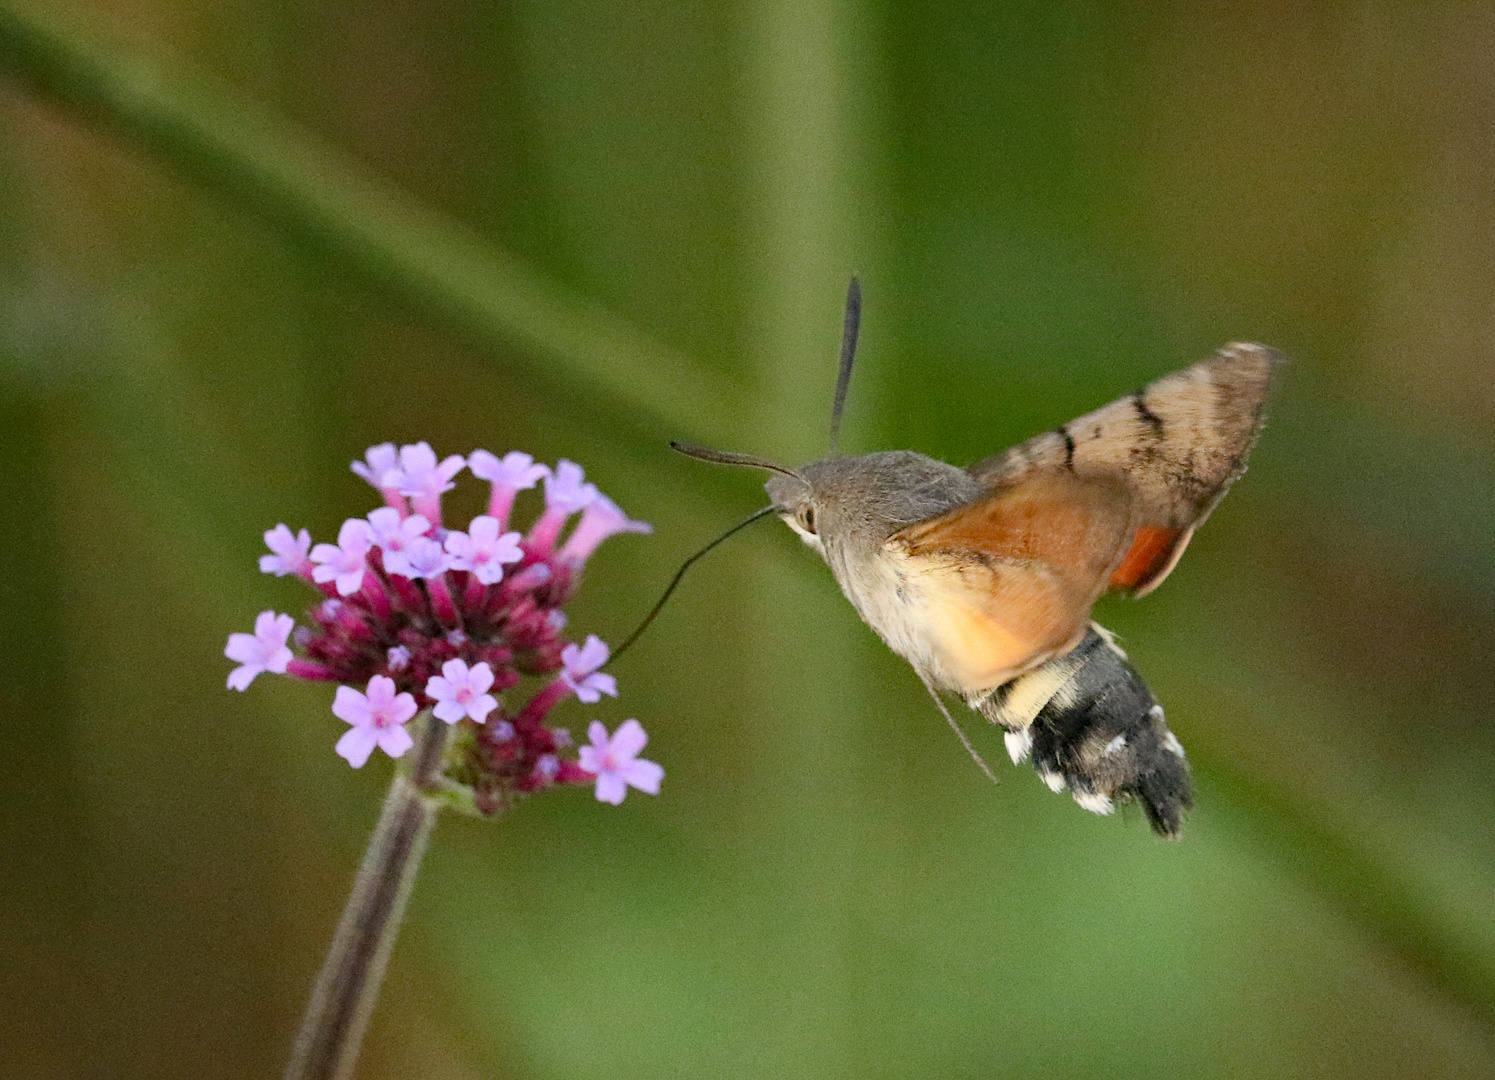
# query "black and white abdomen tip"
(1091, 725)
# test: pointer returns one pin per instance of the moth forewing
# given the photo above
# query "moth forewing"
(1078, 525)
(1178, 443)
(1005, 582)
(984, 623)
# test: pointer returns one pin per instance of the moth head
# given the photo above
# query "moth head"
(859, 502)
(824, 498)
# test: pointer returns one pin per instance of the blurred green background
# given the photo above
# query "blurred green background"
(241, 242)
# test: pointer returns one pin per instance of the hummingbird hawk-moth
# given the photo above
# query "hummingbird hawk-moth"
(983, 578)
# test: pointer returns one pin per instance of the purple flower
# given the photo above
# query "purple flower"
(289, 552)
(380, 468)
(615, 761)
(514, 473)
(565, 490)
(424, 558)
(515, 470)
(565, 493)
(379, 461)
(599, 520)
(394, 635)
(263, 650)
(345, 561)
(424, 479)
(394, 536)
(482, 551)
(580, 672)
(459, 691)
(378, 719)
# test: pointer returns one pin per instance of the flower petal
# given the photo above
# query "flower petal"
(378, 460)
(629, 739)
(356, 745)
(350, 705)
(401, 709)
(381, 692)
(611, 788)
(598, 684)
(644, 775)
(481, 707)
(480, 678)
(394, 741)
(245, 648)
(240, 678)
(593, 654)
(355, 536)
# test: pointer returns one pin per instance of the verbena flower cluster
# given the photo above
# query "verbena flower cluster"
(417, 616)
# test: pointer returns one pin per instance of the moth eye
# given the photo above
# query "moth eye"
(806, 518)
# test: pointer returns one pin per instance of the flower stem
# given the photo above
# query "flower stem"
(343, 997)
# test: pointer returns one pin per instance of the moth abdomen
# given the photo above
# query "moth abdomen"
(1091, 725)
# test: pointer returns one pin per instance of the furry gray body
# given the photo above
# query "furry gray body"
(1072, 702)
(857, 503)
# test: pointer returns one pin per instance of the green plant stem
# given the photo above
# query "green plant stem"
(367, 226)
(342, 999)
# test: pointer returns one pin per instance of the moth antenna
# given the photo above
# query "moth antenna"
(959, 734)
(674, 581)
(721, 457)
(849, 329)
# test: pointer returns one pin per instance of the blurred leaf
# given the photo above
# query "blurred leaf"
(364, 224)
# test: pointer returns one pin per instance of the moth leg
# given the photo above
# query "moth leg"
(960, 734)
